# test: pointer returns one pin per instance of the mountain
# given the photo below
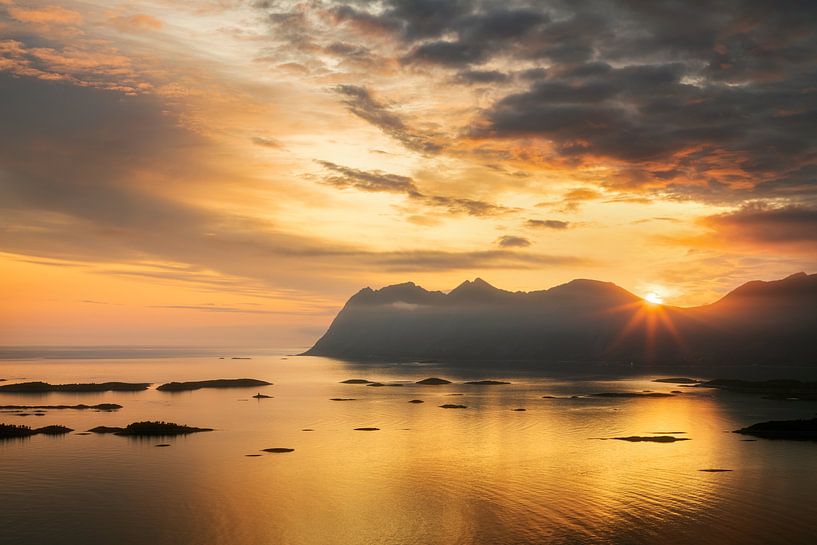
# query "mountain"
(583, 320)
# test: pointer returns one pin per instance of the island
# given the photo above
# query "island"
(278, 449)
(677, 380)
(770, 389)
(216, 383)
(44, 387)
(356, 381)
(453, 406)
(433, 381)
(149, 429)
(10, 431)
(486, 382)
(798, 430)
(99, 407)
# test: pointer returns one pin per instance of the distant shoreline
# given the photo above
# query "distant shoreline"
(134, 352)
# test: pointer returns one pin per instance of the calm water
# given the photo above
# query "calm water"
(485, 475)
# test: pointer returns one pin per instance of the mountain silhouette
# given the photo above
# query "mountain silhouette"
(582, 320)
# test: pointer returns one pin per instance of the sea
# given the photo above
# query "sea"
(553, 473)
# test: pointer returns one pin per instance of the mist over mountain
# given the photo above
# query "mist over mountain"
(580, 321)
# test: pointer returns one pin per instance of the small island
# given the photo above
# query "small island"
(278, 450)
(380, 384)
(367, 429)
(632, 394)
(433, 381)
(453, 406)
(486, 382)
(149, 429)
(342, 399)
(262, 396)
(416, 401)
(10, 431)
(677, 380)
(216, 383)
(652, 439)
(798, 430)
(356, 381)
(44, 387)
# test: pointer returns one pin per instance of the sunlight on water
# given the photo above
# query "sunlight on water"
(486, 474)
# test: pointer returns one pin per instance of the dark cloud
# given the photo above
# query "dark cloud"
(420, 19)
(713, 102)
(765, 224)
(447, 54)
(547, 224)
(377, 181)
(369, 181)
(511, 241)
(475, 77)
(361, 103)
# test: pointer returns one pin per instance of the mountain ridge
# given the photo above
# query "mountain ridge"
(581, 320)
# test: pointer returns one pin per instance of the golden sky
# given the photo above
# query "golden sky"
(230, 172)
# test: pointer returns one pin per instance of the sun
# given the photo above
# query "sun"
(654, 299)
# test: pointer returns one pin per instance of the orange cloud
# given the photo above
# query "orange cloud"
(136, 23)
(48, 15)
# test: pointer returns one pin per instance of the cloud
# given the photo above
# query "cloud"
(572, 200)
(661, 98)
(136, 23)
(377, 181)
(267, 142)
(210, 307)
(758, 223)
(369, 181)
(510, 241)
(83, 64)
(412, 261)
(480, 77)
(447, 53)
(361, 103)
(46, 15)
(547, 224)
(96, 201)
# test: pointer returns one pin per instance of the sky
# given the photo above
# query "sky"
(228, 173)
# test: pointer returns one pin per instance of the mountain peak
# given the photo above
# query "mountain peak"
(475, 284)
(474, 288)
(795, 285)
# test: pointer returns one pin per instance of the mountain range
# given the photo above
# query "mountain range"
(759, 323)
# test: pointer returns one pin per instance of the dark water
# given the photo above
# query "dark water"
(486, 474)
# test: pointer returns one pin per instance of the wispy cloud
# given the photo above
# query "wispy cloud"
(377, 181)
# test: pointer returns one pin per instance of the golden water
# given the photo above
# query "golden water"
(486, 474)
